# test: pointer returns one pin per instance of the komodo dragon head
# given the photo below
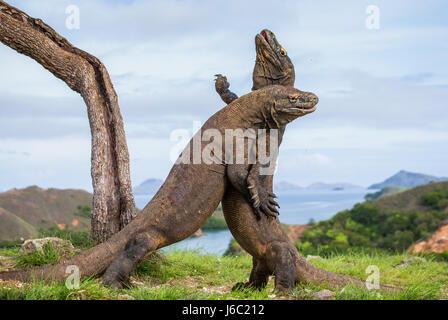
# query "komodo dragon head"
(272, 65)
(285, 104)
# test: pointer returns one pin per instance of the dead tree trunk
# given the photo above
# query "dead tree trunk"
(113, 200)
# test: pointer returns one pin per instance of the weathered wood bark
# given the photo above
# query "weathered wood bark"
(113, 200)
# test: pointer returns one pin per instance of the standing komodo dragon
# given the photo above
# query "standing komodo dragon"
(262, 235)
(188, 197)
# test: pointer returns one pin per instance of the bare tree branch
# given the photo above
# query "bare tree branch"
(113, 201)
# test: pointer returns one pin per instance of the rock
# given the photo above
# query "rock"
(324, 295)
(437, 243)
(33, 245)
(310, 257)
(197, 234)
(125, 297)
(409, 261)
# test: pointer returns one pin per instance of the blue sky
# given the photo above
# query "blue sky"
(383, 93)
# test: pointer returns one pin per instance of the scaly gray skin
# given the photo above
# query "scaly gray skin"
(262, 235)
(188, 197)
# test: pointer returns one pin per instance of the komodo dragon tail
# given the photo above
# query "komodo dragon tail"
(309, 274)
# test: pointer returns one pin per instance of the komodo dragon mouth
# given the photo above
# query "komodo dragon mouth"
(267, 41)
(270, 39)
(272, 66)
(304, 103)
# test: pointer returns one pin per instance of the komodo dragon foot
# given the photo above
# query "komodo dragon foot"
(258, 279)
(262, 200)
(118, 273)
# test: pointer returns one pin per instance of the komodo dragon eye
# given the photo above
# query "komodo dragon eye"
(293, 97)
(283, 52)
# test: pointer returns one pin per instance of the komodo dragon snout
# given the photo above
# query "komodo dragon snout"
(290, 103)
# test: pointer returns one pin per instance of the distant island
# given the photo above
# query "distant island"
(285, 186)
(152, 185)
(149, 186)
(404, 179)
(333, 186)
(407, 180)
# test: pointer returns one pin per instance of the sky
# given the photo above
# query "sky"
(382, 91)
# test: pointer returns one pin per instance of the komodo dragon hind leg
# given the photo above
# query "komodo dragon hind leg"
(281, 263)
(259, 276)
(117, 274)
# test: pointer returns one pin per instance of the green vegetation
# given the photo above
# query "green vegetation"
(83, 211)
(79, 239)
(366, 227)
(10, 243)
(190, 275)
(48, 255)
(437, 200)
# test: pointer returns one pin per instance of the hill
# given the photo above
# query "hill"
(13, 227)
(407, 179)
(149, 186)
(384, 192)
(410, 200)
(24, 211)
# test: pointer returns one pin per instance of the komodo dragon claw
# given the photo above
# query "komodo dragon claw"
(222, 88)
(261, 199)
(221, 84)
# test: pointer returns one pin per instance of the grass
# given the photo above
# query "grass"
(190, 275)
(49, 254)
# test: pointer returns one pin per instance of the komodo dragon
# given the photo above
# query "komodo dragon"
(188, 197)
(262, 235)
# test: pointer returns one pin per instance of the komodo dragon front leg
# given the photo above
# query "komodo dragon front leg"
(248, 182)
(222, 88)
